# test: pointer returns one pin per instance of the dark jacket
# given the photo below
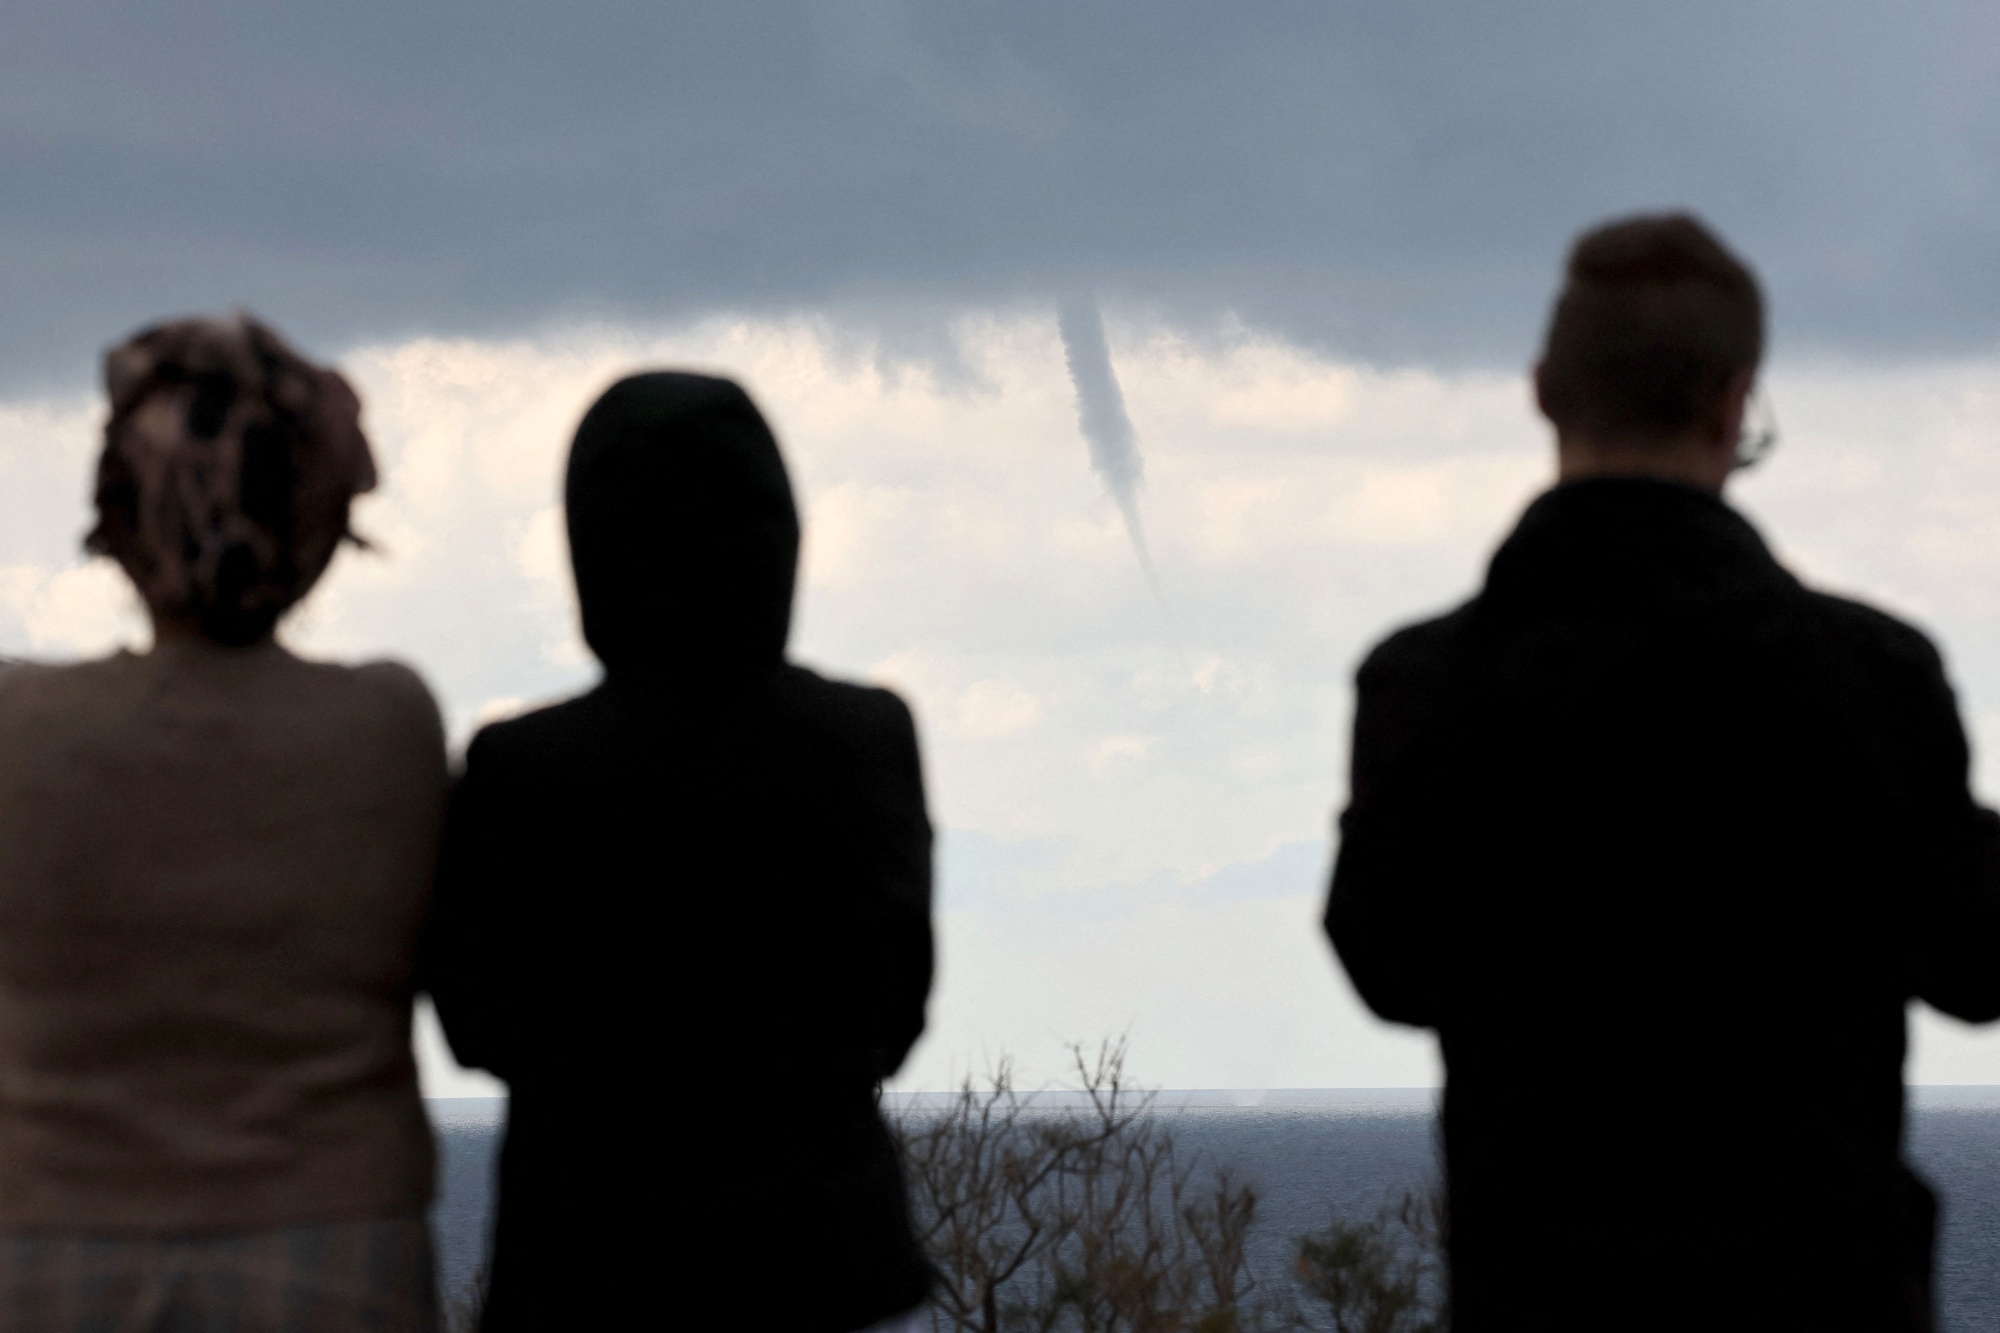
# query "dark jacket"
(1661, 843)
(686, 917)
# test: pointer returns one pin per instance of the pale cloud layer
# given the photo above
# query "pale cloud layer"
(1134, 799)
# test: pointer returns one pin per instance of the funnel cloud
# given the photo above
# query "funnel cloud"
(1101, 415)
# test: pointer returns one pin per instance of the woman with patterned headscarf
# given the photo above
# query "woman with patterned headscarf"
(214, 862)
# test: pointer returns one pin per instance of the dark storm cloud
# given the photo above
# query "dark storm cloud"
(1395, 181)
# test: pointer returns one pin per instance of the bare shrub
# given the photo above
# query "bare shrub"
(1047, 1216)
(1380, 1276)
(1079, 1217)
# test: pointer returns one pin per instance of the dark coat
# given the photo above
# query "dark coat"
(1661, 843)
(686, 917)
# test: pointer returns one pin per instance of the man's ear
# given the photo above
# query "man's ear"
(1541, 396)
(1729, 408)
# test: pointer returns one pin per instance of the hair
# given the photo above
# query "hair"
(1655, 319)
(228, 468)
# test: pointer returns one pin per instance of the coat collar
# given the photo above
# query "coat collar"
(1629, 543)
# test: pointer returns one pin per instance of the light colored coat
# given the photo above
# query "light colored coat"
(214, 867)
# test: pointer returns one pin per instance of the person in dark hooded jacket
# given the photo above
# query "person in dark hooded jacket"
(686, 916)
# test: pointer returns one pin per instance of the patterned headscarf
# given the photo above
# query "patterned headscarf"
(228, 466)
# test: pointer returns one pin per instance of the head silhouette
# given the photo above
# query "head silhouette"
(682, 530)
(229, 465)
(1656, 319)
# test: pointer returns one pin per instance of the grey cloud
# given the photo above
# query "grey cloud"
(1394, 182)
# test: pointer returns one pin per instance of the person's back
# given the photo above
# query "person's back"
(213, 866)
(215, 860)
(1661, 843)
(708, 878)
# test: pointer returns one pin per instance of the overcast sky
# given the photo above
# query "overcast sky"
(1323, 237)
(1387, 181)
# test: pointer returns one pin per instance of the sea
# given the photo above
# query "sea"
(1317, 1154)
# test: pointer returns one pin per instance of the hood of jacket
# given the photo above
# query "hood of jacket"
(683, 534)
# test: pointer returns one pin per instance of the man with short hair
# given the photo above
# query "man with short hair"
(1662, 843)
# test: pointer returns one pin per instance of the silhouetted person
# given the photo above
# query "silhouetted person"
(1662, 843)
(215, 859)
(686, 916)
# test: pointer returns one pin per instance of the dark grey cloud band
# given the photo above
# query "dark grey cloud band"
(1395, 182)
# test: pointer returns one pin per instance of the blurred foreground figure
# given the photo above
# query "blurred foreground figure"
(686, 917)
(214, 865)
(1662, 843)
